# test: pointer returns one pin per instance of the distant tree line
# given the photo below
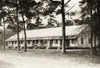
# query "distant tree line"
(90, 15)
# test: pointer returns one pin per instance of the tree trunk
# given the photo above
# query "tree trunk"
(25, 42)
(17, 27)
(3, 27)
(91, 29)
(99, 41)
(98, 22)
(63, 29)
(91, 48)
(95, 44)
(4, 33)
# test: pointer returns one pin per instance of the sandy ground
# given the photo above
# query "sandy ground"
(13, 59)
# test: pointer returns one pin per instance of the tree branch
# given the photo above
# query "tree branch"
(69, 9)
(67, 2)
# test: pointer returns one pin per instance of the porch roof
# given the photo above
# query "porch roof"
(50, 33)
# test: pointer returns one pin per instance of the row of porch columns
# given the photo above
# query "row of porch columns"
(48, 43)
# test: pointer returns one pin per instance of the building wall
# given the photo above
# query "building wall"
(84, 38)
(84, 41)
(73, 43)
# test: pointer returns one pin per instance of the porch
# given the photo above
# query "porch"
(56, 43)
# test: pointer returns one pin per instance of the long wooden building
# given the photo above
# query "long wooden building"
(76, 36)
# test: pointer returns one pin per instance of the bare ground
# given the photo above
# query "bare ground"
(42, 58)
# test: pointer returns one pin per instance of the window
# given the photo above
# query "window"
(73, 41)
(28, 41)
(9, 42)
(41, 41)
(60, 42)
(51, 41)
(21, 42)
(14, 42)
(81, 40)
(36, 41)
(45, 41)
(0, 32)
(33, 41)
(56, 41)
(89, 40)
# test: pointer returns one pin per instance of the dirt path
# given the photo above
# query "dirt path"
(22, 61)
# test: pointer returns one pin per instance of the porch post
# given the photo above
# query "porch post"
(34, 42)
(70, 42)
(53, 43)
(48, 44)
(59, 44)
(12, 43)
(39, 42)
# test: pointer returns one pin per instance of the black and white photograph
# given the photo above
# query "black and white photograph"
(49, 34)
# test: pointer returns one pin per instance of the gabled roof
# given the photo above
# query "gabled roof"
(49, 33)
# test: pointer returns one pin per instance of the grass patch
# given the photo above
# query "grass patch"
(80, 56)
(5, 65)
